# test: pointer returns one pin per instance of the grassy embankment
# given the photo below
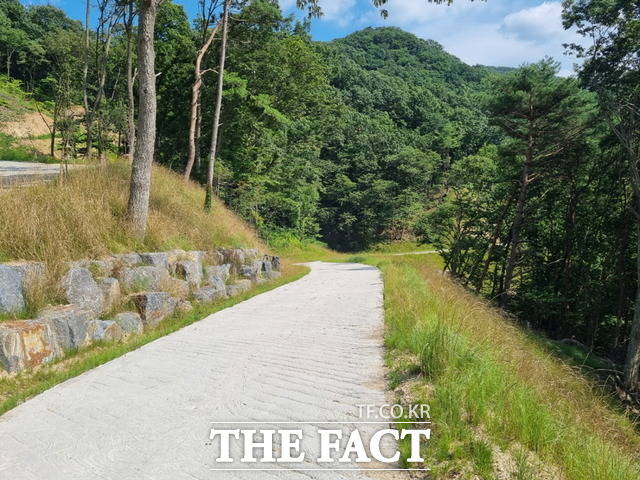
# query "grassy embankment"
(503, 406)
(84, 218)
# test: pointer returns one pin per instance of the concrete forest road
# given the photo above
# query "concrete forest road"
(308, 351)
(17, 174)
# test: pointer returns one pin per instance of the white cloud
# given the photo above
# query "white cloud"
(538, 23)
(495, 32)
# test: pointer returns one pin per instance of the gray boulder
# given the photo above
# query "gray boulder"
(184, 306)
(238, 288)
(145, 278)
(190, 271)
(266, 265)
(130, 323)
(250, 255)
(102, 268)
(127, 259)
(174, 256)
(110, 291)
(217, 272)
(251, 271)
(30, 272)
(197, 256)
(178, 288)
(273, 261)
(70, 325)
(213, 257)
(26, 344)
(235, 257)
(210, 294)
(106, 331)
(11, 290)
(81, 289)
(154, 307)
(156, 259)
(272, 275)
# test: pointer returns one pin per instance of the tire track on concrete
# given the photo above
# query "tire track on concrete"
(307, 351)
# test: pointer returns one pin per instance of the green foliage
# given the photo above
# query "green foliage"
(557, 179)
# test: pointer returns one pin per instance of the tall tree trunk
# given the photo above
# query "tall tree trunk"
(138, 207)
(101, 83)
(195, 102)
(492, 245)
(131, 136)
(53, 133)
(85, 78)
(9, 57)
(632, 364)
(622, 303)
(198, 137)
(516, 230)
(216, 118)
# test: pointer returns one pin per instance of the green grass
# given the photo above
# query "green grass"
(11, 151)
(16, 389)
(400, 247)
(492, 385)
(13, 100)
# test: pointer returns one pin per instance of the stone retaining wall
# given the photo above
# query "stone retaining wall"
(155, 284)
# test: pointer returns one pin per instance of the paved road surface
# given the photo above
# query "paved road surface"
(25, 173)
(307, 351)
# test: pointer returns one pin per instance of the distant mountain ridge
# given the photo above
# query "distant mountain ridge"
(375, 48)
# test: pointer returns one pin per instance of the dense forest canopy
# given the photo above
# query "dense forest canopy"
(527, 182)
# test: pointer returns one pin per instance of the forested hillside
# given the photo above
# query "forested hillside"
(527, 182)
(349, 141)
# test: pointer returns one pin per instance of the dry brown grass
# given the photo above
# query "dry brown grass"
(85, 218)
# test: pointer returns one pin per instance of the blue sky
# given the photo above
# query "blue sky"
(495, 32)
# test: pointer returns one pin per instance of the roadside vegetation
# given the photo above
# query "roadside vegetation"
(504, 404)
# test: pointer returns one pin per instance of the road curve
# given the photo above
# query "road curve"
(308, 351)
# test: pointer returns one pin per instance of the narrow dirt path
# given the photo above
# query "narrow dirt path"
(308, 351)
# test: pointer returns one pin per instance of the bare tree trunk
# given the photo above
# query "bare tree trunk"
(9, 57)
(195, 102)
(85, 78)
(494, 241)
(516, 230)
(198, 137)
(632, 363)
(138, 207)
(53, 134)
(130, 85)
(216, 118)
(103, 77)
